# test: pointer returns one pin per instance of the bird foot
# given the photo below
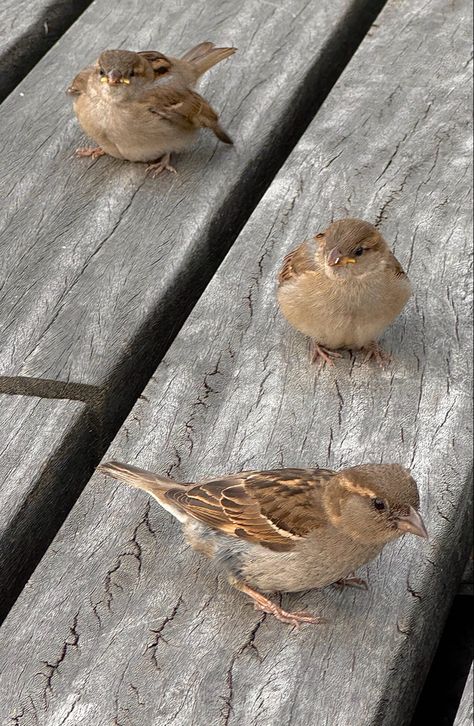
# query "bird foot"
(294, 618)
(358, 582)
(93, 151)
(375, 351)
(267, 606)
(161, 165)
(324, 355)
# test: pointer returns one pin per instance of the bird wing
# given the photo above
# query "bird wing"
(160, 63)
(79, 84)
(184, 108)
(272, 508)
(296, 263)
(395, 266)
(181, 106)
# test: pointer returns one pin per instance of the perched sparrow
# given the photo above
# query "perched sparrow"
(138, 106)
(289, 529)
(342, 289)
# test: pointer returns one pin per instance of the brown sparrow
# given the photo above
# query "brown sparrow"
(289, 529)
(137, 108)
(342, 289)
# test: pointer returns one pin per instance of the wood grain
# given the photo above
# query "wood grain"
(37, 487)
(121, 623)
(100, 264)
(465, 715)
(27, 31)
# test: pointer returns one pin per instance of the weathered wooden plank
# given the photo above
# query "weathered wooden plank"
(464, 716)
(132, 627)
(100, 264)
(27, 31)
(467, 582)
(37, 489)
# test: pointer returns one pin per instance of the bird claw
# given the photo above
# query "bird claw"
(267, 606)
(161, 165)
(294, 618)
(324, 355)
(375, 351)
(92, 151)
(358, 582)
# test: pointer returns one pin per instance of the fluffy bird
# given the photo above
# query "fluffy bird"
(141, 106)
(342, 288)
(289, 529)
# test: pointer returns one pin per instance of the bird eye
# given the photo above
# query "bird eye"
(161, 70)
(101, 72)
(359, 251)
(379, 504)
(132, 73)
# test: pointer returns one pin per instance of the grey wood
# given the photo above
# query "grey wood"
(27, 30)
(467, 582)
(465, 715)
(39, 479)
(100, 264)
(121, 622)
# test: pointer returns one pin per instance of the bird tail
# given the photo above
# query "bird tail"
(205, 55)
(221, 134)
(136, 477)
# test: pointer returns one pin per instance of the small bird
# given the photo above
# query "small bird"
(342, 288)
(288, 529)
(141, 107)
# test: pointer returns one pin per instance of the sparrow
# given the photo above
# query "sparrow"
(342, 288)
(140, 106)
(288, 530)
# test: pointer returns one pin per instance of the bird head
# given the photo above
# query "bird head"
(375, 503)
(351, 248)
(123, 68)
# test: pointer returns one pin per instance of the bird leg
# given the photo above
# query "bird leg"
(267, 606)
(351, 581)
(161, 164)
(319, 352)
(375, 351)
(93, 151)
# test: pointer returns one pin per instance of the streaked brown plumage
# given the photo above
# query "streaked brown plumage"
(343, 288)
(141, 106)
(289, 529)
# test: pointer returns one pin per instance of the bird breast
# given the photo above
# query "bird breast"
(348, 313)
(126, 129)
(322, 558)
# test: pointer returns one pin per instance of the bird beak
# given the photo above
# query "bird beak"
(114, 77)
(412, 522)
(335, 258)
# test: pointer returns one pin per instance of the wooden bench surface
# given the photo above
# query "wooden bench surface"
(99, 265)
(121, 622)
(464, 716)
(39, 437)
(27, 31)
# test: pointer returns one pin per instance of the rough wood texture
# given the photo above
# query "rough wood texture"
(131, 627)
(27, 31)
(465, 715)
(100, 264)
(36, 488)
(467, 582)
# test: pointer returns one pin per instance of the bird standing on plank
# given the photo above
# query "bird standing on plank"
(141, 106)
(290, 529)
(342, 289)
